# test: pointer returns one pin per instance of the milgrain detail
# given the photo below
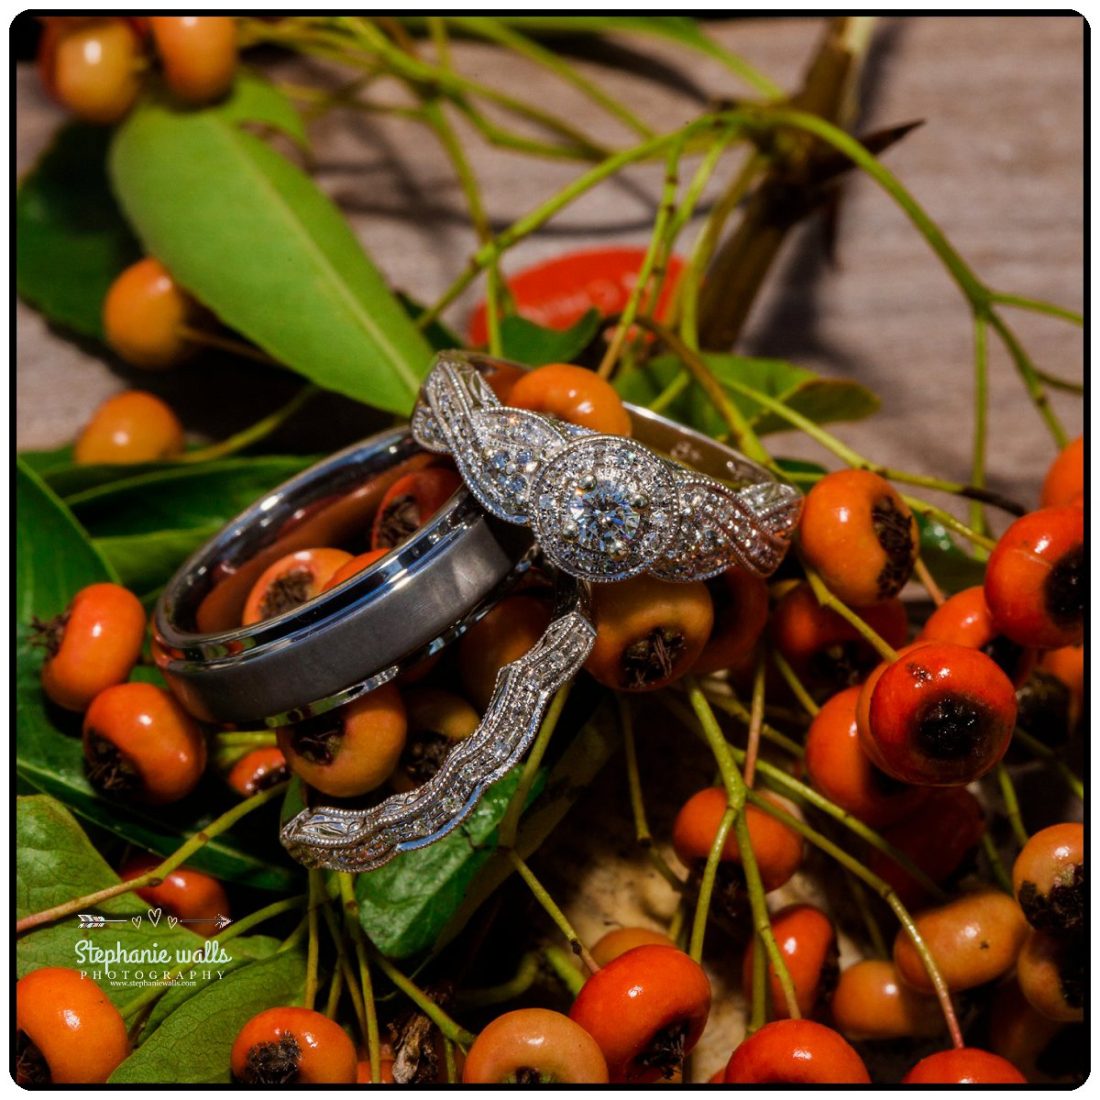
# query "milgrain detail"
(602, 507)
(363, 840)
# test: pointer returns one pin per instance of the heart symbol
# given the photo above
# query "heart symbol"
(172, 921)
(137, 921)
(154, 917)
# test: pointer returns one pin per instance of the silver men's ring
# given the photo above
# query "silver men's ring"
(604, 507)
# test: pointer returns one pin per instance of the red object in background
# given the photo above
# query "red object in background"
(558, 293)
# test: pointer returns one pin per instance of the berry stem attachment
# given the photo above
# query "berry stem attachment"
(155, 876)
(736, 793)
(552, 910)
(351, 920)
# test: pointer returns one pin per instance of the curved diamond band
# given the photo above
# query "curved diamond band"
(605, 507)
(362, 840)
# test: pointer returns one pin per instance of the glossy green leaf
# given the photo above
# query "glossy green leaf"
(404, 905)
(822, 400)
(181, 496)
(192, 1045)
(54, 559)
(952, 569)
(526, 342)
(147, 561)
(71, 239)
(255, 239)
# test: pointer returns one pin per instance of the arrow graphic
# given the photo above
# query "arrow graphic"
(220, 921)
(95, 920)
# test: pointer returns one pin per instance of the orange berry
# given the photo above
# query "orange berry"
(573, 394)
(1065, 480)
(859, 534)
(293, 1046)
(199, 54)
(93, 645)
(91, 66)
(143, 314)
(534, 1046)
(291, 581)
(184, 893)
(66, 1030)
(133, 426)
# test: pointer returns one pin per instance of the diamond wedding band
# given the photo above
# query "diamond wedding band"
(605, 507)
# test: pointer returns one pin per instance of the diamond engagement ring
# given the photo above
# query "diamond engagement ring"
(606, 507)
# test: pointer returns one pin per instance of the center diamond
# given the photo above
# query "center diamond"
(606, 516)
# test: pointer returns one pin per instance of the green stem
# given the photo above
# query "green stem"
(335, 992)
(981, 409)
(316, 893)
(449, 1027)
(157, 875)
(509, 823)
(874, 932)
(758, 1014)
(450, 1061)
(240, 739)
(494, 31)
(1012, 805)
(515, 986)
(660, 224)
(1004, 880)
(1037, 305)
(561, 963)
(756, 717)
(798, 689)
(1037, 748)
(736, 793)
(345, 966)
(637, 800)
(351, 921)
(706, 887)
(884, 891)
(736, 709)
(258, 431)
(552, 910)
(826, 599)
(936, 514)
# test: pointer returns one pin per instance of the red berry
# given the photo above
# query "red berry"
(967, 1066)
(941, 715)
(1035, 580)
(646, 1010)
(796, 1052)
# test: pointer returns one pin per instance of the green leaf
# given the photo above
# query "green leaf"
(525, 342)
(192, 1044)
(953, 569)
(55, 862)
(146, 561)
(404, 905)
(254, 239)
(71, 239)
(822, 400)
(54, 559)
(181, 496)
(439, 336)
